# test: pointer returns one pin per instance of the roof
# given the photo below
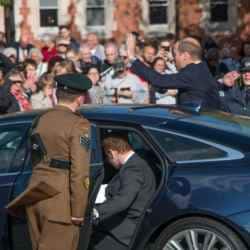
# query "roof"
(155, 115)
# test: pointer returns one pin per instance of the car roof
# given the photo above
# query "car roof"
(150, 115)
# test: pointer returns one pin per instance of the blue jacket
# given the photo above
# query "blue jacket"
(195, 83)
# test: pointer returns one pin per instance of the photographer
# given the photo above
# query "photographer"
(166, 52)
(195, 84)
(237, 100)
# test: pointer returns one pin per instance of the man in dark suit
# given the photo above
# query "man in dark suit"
(127, 195)
(194, 82)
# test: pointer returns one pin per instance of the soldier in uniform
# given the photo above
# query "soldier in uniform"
(57, 195)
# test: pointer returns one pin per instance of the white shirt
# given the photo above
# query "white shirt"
(131, 153)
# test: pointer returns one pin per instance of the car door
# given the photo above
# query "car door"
(12, 158)
(19, 233)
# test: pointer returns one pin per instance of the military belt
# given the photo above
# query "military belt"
(60, 164)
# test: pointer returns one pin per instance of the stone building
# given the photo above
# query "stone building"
(117, 17)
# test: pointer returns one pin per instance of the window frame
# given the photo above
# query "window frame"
(231, 154)
(217, 27)
(151, 144)
(102, 30)
(153, 3)
(158, 29)
(56, 7)
(94, 6)
(216, 4)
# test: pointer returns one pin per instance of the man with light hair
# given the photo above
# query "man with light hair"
(87, 59)
(196, 86)
(111, 54)
(95, 47)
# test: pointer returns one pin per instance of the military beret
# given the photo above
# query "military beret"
(75, 82)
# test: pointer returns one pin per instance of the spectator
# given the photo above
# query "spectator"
(166, 51)
(65, 67)
(30, 74)
(65, 34)
(238, 99)
(212, 59)
(12, 95)
(149, 53)
(195, 84)
(245, 50)
(10, 53)
(166, 96)
(62, 47)
(3, 43)
(111, 54)
(96, 93)
(96, 48)
(36, 55)
(75, 58)
(2, 73)
(53, 62)
(124, 87)
(45, 97)
(22, 47)
(6, 62)
(49, 48)
(226, 87)
(228, 62)
(87, 59)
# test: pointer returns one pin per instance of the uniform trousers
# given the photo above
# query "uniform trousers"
(48, 235)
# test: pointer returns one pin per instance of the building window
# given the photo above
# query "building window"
(158, 12)
(95, 13)
(48, 13)
(219, 11)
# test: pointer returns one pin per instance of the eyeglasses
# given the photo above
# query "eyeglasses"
(17, 81)
(166, 48)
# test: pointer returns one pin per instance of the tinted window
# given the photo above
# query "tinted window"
(12, 154)
(180, 148)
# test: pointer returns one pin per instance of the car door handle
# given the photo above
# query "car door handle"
(149, 211)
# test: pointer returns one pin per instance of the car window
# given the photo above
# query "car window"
(180, 148)
(12, 154)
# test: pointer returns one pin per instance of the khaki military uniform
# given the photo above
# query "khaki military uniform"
(55, 195)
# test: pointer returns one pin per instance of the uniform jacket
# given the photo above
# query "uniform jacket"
(195, 83)
(61, 194)
(127, 196)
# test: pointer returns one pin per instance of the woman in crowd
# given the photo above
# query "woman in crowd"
(96, 93)
(64, 67)
(45, 97)
(12, 95)
(169, 96)
(37, 56)
(30, 74)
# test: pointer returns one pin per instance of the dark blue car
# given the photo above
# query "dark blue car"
(201, 163)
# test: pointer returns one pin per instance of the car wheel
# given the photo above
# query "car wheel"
(198, 233)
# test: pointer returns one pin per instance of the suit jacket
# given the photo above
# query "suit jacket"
(195, 83)
(61, 194)
(127, 196)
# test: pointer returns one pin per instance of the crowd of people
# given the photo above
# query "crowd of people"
(27, 72)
